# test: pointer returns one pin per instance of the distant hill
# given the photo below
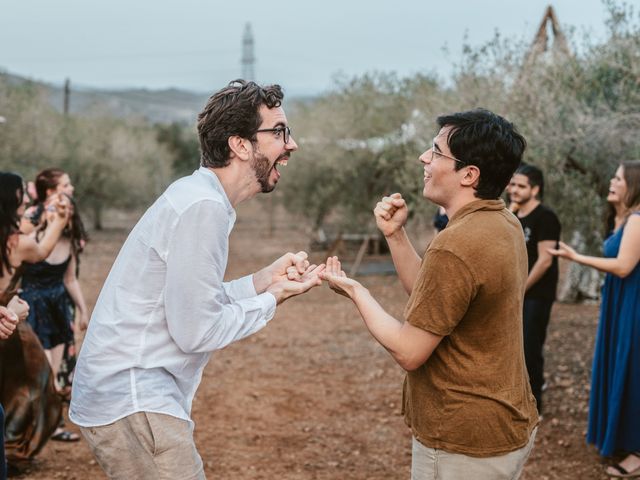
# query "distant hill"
(158, 106)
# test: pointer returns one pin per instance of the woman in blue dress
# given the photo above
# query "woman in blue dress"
(614, 404)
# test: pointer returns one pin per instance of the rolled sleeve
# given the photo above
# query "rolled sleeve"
(442, 294)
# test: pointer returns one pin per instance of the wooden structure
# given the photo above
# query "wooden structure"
(347, 243)
(541, 46)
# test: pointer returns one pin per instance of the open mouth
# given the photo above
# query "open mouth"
(281, 161)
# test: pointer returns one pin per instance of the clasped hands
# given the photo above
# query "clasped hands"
(292, 274)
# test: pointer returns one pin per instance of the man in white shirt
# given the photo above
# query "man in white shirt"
(164, 306)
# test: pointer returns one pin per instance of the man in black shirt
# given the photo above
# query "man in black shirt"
(541, 232)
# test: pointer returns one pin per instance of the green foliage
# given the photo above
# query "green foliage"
(580, 115)
(183, 145)
(356, 144)
(112, 162)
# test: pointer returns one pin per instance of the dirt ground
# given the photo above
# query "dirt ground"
(313, 396)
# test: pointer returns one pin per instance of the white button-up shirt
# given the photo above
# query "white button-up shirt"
(164, 308)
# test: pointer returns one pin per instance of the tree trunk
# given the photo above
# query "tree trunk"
(97, 216)
(582, 283)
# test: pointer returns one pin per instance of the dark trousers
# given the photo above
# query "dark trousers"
(535, 321)
(3, 462)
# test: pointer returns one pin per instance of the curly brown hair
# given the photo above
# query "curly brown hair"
(233, 111)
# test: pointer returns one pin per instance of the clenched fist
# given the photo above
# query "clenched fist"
(391, 214)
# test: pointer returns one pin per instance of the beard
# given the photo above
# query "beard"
(522, 200)
(262, 169)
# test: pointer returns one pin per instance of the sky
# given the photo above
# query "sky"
(302, 45)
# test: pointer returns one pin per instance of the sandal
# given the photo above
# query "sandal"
(622, 472)
(65, 436)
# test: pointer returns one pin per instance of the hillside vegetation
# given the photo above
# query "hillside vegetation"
(580, 114)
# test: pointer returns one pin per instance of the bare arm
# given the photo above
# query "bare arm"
(391, 215)
(73, 288)
(623, 264)
(31, 251)
(405, 258)
(544, 261)
(409, 346)
(26, 225)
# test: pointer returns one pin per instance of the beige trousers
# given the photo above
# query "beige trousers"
(433, 464)
(145, 446)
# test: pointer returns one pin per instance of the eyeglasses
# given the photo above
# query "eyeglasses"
(284, 131)
(434, 153)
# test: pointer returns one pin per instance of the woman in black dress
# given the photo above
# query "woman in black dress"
(51, 286)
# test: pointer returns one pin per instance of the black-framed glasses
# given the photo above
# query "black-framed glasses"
(434, 153)
(284, 131)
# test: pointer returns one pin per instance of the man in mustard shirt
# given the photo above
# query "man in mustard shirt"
(467, 397)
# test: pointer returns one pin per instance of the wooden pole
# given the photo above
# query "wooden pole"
(359, 257)
(67, 94)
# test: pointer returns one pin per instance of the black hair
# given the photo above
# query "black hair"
(11, 194)
(535, 176)
(488, 141)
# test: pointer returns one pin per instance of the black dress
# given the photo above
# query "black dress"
(51, 309)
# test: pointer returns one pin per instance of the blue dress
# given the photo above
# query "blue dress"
(614, 404)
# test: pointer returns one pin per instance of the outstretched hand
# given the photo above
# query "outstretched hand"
(391, 214)
(564, 251)
(338, 280)
(285, 287)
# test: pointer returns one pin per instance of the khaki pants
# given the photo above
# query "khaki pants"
(433, 464)
(145, 446)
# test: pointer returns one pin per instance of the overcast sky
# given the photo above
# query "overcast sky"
(196, 44)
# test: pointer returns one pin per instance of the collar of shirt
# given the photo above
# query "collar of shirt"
(476, 205)
(215, 183)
